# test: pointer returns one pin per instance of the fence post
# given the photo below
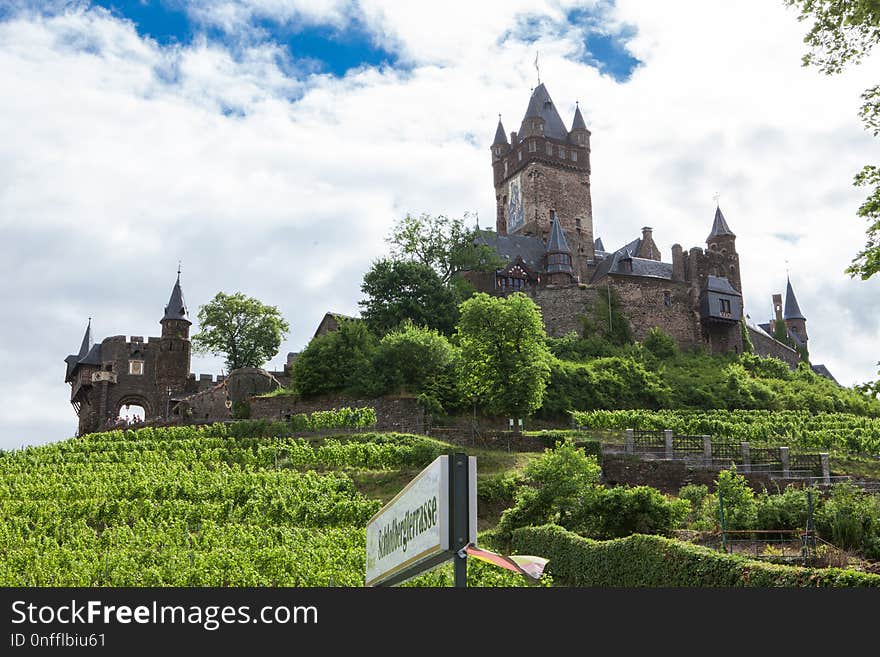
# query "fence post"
(746, 457)
(667, 437)
(707, 450)
(826, 468)
(630, 443)
(785, 458)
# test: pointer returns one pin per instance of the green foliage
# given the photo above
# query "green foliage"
(557, 482)
(804, 429)
(639, 561)
(748, 347)
(739, 504)
(499, 489)
(246, 332)
(786, 510)
(613, 382)
(571, 347)
(505, 363)
(400, 291)
(336, 361)
(850, 517)
(743, 391)
(409, 358)
(443, 244)
(695, 494)
(659, 343)
(844, 32)
(621, 511)
(765, 368)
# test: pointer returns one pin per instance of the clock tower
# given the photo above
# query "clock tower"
(544, 171)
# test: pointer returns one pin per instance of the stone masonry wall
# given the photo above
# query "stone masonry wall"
(403, 414)
(642, 300)
(766, 346)
(563, 308)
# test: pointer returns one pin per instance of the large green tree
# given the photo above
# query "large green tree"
(397, 291)
(844, 32)
(409, 358)
(245, 331)
(337, 361)
(505, 362)
(444, 244)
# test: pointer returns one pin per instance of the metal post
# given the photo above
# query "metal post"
(723, 524)
(459, 507)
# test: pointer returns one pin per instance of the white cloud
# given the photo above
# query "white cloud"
(117, 159)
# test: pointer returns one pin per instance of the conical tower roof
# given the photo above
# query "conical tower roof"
(500, 135)
(792, 309)
(719, 226)
(541, 106)
(176, 308)
(578, 123)
(86, 341)
(557, 242)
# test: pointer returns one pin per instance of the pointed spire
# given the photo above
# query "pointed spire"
(176, 308)
(500, 136)
(792, 309)
(86, 341)
(578, 123)
(557, 242)
(719, 225)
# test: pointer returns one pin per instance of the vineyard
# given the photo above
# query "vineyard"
(241, 504)
(841, 432)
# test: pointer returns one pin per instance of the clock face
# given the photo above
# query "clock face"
(515, 211)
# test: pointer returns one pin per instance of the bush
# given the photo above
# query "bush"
(786, 510)
(621, 511)
(850, 518)
(765, 368)
(659, 343)
(337, 361)
(241, 410)
(740, 507)
(656, 561)
(410, 357)
(558, 482)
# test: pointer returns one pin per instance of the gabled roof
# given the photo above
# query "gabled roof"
(176, 308)
(792, 309)
(541, 106)
(719, 226)
(578, 122)
(720, 284)
(500, 135)
(73, 359)
(821, 370)
(597, 245)
(93, 357)
(557, 242)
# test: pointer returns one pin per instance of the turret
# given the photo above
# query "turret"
(794, 319)
(722, 250)
(500, 147)
(579, 134)
(172, 364)
(175, 322)
(559, 269)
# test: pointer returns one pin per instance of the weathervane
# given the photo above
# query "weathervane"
(715, 197)
(537, 68)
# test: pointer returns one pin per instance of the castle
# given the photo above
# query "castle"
(544, 234)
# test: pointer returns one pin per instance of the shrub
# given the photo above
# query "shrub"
(786, 510)
(656, 561)
(851, 518)
(765, 368)
(408, 358)
(621, 511)
(659, 343)
(337, 361)
(241, 410)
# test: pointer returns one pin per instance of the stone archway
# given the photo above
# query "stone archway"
(133, 409)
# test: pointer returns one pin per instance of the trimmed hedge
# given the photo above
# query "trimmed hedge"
(643, 561)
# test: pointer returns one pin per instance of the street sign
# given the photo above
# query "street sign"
(416, 530)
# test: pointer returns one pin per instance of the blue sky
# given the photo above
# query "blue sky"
(271, 144)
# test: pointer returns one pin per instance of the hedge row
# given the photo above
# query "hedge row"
(640, 560)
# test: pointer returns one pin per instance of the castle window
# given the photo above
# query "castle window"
(562, 152)
(723, 251)
(725, 306)
(713, 247)
(581, 138)
(519, 155)
(498, 151)
(505, 168)
(667, 298)
(574, 156)
(549, 148)
(533, 146)
(136, 367)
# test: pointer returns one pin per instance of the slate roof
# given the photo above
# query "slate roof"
(597, 245)
(541, 105)
(557, 242)
(792, 309)
(719, 226)
(578, 123)
(73, 359)
(821, 370)
(176, 308)
(640, 266)
(720, 284)
(500, 136)
(93, 357)
(531, 249)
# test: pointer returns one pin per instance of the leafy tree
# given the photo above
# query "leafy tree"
(242, 329)
(608, 319)
(505, 362)
(398, 291)
(336, 361)
(443, 244)
(409, 357)
(748, 347)
(844, 32)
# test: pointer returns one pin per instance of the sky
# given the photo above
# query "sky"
(269, 145)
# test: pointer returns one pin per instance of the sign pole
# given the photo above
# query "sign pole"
(459, 489)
